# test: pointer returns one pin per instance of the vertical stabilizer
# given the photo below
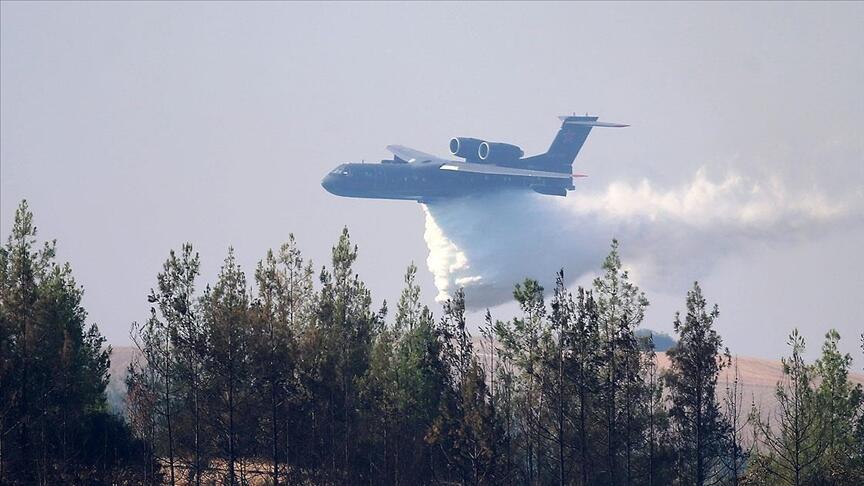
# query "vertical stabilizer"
(567, 143)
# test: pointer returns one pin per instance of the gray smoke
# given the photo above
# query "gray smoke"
(669, 237)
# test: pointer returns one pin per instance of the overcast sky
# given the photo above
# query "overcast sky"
(132, 128)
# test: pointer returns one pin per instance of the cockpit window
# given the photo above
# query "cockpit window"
(341, 170)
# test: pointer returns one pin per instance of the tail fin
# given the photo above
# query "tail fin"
(572, 135)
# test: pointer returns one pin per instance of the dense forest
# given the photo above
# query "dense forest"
(291, 376)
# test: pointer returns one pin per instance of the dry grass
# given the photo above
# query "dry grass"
(758, 377)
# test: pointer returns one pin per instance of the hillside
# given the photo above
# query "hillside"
(759, 376)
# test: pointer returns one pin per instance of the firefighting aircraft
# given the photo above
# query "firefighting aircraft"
(486, 167)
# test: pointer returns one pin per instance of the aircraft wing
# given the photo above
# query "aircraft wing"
(504, 171)
(411, 155)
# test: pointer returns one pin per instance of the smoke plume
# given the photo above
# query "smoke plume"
(669, 237)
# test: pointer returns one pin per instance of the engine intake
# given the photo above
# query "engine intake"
(464, 147)
(494, 151)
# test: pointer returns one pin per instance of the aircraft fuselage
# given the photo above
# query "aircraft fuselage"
(425, 181)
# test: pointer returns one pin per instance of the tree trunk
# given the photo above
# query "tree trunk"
(561, 437)
(273, 408)
(197, 433)
(231, 452)
(700, 452)
(583, 434)
(168, 409)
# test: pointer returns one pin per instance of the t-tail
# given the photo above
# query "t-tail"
(569, 140)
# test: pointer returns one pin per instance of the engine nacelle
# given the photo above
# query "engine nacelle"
(494, 152)
(464, 147)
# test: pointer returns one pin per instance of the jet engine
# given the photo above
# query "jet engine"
(494, 152)
(464, 147)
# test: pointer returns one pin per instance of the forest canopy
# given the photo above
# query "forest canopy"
(288, 375)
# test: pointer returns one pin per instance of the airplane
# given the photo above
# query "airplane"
(486, 167)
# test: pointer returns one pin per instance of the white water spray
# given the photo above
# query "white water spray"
(488, 243)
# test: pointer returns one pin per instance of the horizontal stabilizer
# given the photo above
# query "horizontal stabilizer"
(595, 124)
(588, 121)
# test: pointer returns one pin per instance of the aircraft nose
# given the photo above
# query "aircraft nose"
(327, 182)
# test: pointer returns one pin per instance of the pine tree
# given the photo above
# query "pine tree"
(229, 338)
(142, 398)
(23, 266)
(790, 449)
(466, 430)
(620, 310)
(379, 397)
(583, 367)
(859, 427)
(346, 323)
(696, 361)
(421, 379)
(502, 395)
(521, 344)
(148, 392)
(735, 454)
(53, 374)
(286, 308)
(557, 389)
(281, 311)
(176, 301)
(659, 457)
(171, 345)
(839, 403)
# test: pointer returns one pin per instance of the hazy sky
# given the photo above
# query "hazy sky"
(132, 128)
